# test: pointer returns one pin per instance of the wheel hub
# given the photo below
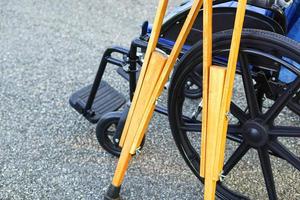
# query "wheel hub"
(255, 134)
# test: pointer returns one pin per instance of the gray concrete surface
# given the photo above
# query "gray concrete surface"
(49, 49)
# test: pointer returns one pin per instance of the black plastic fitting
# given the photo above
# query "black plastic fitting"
(113, 193)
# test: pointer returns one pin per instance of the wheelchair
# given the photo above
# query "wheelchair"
(263, 93)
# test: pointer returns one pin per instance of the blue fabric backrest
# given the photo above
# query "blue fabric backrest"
(293, 20)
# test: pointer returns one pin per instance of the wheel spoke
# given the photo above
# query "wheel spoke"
(235, 158)
(267, 172)
(238, 113)
(284, 153)
(285, 131)
(281, 102)
(234, 137)
(191, 127)
(196, 127)
(234, 132)
(249, 87)
(234, 129)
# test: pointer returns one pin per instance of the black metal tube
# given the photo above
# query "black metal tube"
(105, 59)
(97, 82)
(114, 61)
(132, 69)
(133, 58)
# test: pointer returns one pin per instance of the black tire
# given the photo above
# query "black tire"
(109, 131)
(262, 41)
(106, 128)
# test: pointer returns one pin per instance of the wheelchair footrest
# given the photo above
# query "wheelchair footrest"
(107, 100)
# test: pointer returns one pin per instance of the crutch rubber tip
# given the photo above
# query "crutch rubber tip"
(113, 193)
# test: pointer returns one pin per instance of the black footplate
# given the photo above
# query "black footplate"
(107, 100)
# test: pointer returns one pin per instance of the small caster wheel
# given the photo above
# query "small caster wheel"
(109, 131)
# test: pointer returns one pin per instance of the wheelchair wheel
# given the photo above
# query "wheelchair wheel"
(109, 130)
(254, 126)
(106, 130)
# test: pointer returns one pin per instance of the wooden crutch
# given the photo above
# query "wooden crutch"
(155, 73)
(217, 94)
